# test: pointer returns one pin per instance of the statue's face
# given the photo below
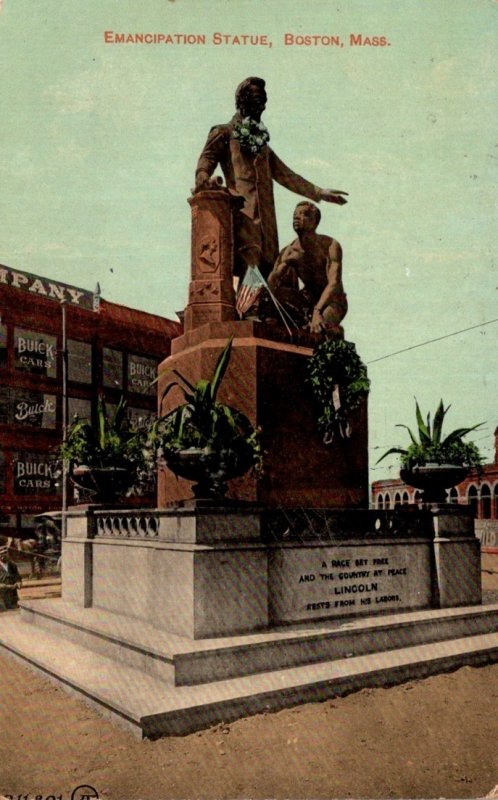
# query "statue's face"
(253, 103)
(304, 219)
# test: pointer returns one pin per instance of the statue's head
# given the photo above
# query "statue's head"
(250, 98)
(306, 217)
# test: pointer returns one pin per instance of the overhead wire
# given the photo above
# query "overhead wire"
(430, 341)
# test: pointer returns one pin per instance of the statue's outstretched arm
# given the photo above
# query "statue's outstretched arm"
(296, 183)
(291, 180)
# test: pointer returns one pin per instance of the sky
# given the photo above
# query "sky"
(99, 143)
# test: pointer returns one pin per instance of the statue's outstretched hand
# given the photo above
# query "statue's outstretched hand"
(333, 196)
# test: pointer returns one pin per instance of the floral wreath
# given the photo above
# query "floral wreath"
(252, 135)
(339, 382)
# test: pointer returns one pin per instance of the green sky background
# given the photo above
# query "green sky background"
(98, 146)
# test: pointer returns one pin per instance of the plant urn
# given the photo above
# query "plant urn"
(434, 479)
(101, 484)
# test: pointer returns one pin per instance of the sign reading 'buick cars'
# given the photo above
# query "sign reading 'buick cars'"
(35, 352)
(141, 372)
(35, 473)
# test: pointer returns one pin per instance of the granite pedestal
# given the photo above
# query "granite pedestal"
(172, 621)
(204, 571)
(267, 380)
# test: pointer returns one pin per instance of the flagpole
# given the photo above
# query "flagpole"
(64, 419)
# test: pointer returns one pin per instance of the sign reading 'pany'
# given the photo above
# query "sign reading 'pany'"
(50, 289)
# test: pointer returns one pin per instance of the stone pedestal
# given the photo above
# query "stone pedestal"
(211, 294)
(267, 381)
(457, 555)
(210, 614)
(202, 572)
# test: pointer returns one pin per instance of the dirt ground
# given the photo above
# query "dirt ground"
(432, 738)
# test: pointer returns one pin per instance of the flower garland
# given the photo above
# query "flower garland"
(252, 135)
(338, 379)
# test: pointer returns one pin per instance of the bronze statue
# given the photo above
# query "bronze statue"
(307, 276)
(249, 166)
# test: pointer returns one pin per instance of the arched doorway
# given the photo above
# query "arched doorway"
(485, 501)
(472, 499)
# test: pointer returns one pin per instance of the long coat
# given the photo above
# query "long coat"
(251, 177)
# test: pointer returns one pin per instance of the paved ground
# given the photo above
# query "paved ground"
(432, 738)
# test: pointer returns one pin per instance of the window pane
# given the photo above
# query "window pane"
(35, 352)
(4, 405)
(3, 346)
(36, 473)
(141, 418)
(2, 475)
(83, 408)
(79, 362)
(113, 368)
(141, 372)
(32, 408)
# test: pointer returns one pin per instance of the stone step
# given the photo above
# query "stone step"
(153, 708)
(182, 661)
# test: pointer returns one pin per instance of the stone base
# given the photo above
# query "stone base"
(203, 571)
(158, 684)
(175, 620)
(266, 380)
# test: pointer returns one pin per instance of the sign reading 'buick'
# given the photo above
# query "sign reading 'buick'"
(33, 408)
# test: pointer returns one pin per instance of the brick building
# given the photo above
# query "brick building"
(477, 490)
(112, 350)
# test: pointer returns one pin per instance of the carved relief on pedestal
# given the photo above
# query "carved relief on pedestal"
(208, 253)
(211, 294)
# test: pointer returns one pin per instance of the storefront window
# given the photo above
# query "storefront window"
(3, 346)
(110, 410)
(36, 474)
(141, 418)
(80, 407)
(141, 372)
(28, 525)
(79, 361)
(113, 368)
(35, 352)
(8, 523)
(4, 405)
(32, 408)
(2, 472)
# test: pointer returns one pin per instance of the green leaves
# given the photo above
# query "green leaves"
(335, 363)
(431, 448)
(438, 422)
(424, 431)
(202, 422)
(111, 442)
(221, 368)
(390, 452)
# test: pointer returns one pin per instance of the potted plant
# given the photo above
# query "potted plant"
(434, 463)
(203, 440)
(106, 460)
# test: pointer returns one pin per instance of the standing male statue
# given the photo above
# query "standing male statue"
(307, 276)
(249, 166)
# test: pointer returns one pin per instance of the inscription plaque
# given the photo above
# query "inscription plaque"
(313, 582)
